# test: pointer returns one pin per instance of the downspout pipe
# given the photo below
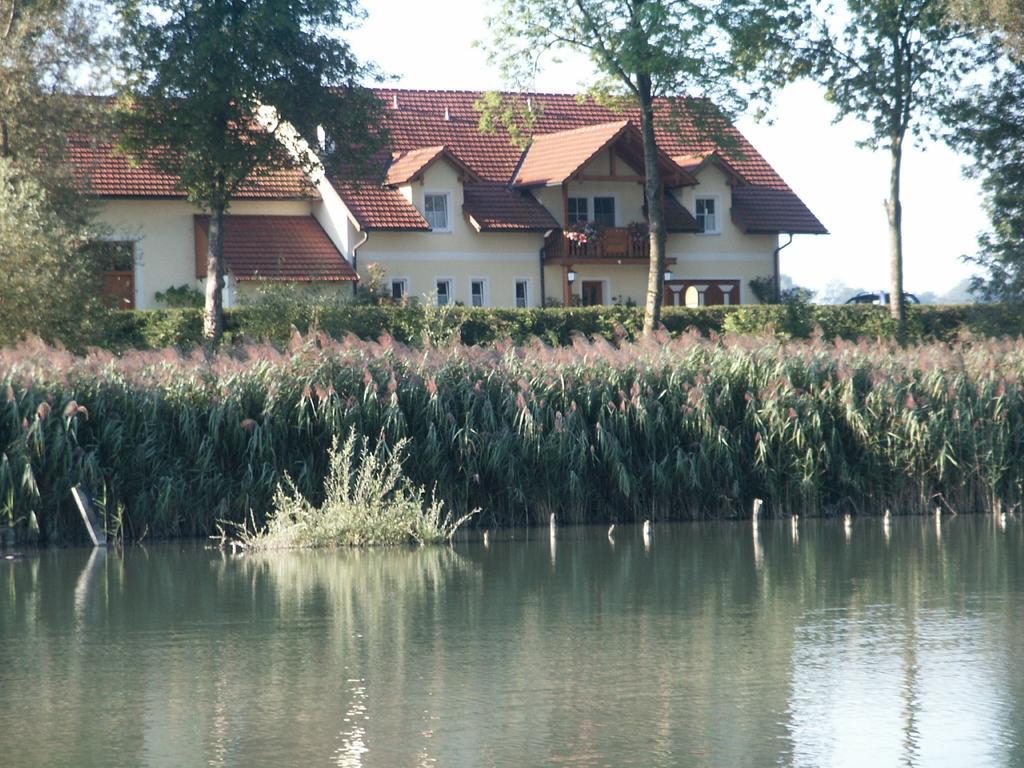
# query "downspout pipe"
(543, 293)
(355, 260)
(778, 273)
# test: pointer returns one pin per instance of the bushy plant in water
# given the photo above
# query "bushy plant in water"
(368, 501)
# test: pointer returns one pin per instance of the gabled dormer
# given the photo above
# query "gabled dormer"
(432, 180)
(596, 173)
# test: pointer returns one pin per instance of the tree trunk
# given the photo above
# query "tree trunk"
(655, 210)
(894, 209)
(213, 319)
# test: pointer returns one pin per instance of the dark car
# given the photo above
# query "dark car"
(881, 297)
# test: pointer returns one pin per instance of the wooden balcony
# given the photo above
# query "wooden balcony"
(614, 244)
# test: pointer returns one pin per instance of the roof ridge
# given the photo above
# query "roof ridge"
(559, 94)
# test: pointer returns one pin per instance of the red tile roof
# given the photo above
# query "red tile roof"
(419, 121)
(375, 207)
(292, 248)
(406, 166)
(695, 163)
(497, 208)
(108, 173)
(677, 218)
(767, 211)
(449, 118)
(427, 124)
(553, 157)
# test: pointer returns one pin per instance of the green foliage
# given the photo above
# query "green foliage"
(438, 327)
(675, 428)
(894, 65)
(509, 113)
(989, 126)
(202, 70)
(764, 290)
(51, 282)
(1002, 18)
(180, 296)
(49, 49)
(374, 289)
(367, 502)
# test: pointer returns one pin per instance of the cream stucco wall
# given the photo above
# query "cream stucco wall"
(163, 232)
(164, 238)
(629, 195)
(731, 254)
(461, 254)
(731, 240)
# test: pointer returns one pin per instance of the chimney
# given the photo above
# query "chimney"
(447, 114)
(394, 101)
(529, 104)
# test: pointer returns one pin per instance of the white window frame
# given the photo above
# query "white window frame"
(485, 297)
(448, 208)
(615, 207)
(591, 212)
(451, 291)
(529, 292)
(405, 287)
(717, 200)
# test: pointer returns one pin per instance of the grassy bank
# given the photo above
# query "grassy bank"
(276, 321)
(671, 428)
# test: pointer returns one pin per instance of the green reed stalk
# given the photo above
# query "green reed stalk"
(675, 428)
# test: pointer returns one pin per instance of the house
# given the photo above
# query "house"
(454, 214)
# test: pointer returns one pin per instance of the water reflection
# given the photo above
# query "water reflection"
(724, 644)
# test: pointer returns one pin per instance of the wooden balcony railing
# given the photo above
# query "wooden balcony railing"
(614, 243)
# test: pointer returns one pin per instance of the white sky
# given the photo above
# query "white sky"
(429, 45)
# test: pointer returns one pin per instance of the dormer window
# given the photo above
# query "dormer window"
(435, 210)
(706, 213)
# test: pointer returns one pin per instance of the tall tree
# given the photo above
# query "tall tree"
(892, 64)
(641, 50)
(989, 125)
(51, 51)
(203, 70)
(1004, 18)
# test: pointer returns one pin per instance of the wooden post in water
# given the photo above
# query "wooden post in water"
(92, 523)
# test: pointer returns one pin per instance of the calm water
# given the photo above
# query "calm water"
(710, 647)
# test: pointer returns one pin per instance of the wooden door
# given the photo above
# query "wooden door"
(116, 261)
(119, 289)
(592, 293)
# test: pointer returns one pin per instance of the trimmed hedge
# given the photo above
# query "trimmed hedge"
(155, 329)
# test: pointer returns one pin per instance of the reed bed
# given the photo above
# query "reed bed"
(668, 428)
